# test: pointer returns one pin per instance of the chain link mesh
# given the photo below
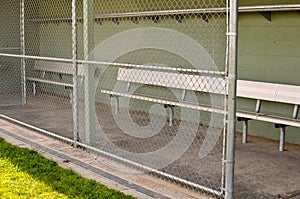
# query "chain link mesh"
(158, 90)
(150, 81)
(10, 68)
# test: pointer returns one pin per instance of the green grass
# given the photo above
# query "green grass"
(26, 174)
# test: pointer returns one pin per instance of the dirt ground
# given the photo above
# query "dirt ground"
(261, 171)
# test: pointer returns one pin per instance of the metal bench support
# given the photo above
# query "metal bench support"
(282, 136)
(245, 128)
(258, 104)
(171, 113)
(295, 112)
(117, 111)
(34, 88)
(245, 131)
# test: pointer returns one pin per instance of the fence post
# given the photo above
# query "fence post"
(22, 39)
(231, 119)
(89, 95)
(75, 71)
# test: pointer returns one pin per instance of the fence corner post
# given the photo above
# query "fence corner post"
(231, 117)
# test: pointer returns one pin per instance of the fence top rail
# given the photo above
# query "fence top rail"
(258, 8)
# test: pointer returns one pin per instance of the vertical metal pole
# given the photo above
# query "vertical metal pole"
(295, 112)
(22, 39)
(245, 131)
(231, 118)
(282, 138)
(75, 79)
(89, 90)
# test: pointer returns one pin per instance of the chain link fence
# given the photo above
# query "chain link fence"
(144, 82)
(10, 77)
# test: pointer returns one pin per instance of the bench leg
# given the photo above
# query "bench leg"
(245, 131)
(245, 128)
(117, 105)
(183, 95)
(282, 135)
(282, 138)
(71, 96)
(171, 115)
(34, 88)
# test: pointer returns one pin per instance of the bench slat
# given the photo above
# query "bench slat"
(170, 102)
(256, 90)
(173, 80)
(268, 118)
(57, 67)
(49, 82)
(282, 93)
(288, 94)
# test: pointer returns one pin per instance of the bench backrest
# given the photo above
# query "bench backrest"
(173, 80)
(268, 91)
(57, 67)
(282, 93)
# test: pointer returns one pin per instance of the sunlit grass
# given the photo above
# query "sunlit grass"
(25, 173)
(17, 184)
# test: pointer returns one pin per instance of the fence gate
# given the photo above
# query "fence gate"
(144, 82)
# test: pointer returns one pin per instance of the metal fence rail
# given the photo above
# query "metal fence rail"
(143, 82)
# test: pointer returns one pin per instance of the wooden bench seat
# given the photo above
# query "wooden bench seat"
(185, 82)
(272, 92)
(59, 68)
(259, 91)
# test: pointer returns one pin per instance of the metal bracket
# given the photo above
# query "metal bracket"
(179, 18)
(99, 21)
(155, 19)
(266, 15)
(134, 20)
(296, 111)
(116, 21)
(257, 108)
(204, 17)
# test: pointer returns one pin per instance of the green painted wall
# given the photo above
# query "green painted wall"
(270, 52)
(266, 2)
(9, 37)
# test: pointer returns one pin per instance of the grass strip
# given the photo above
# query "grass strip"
(17, 184)
(63, 181)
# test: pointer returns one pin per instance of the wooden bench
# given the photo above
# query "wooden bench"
(185, 82)
(263, 91)
(51, 67)
(259, 91)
